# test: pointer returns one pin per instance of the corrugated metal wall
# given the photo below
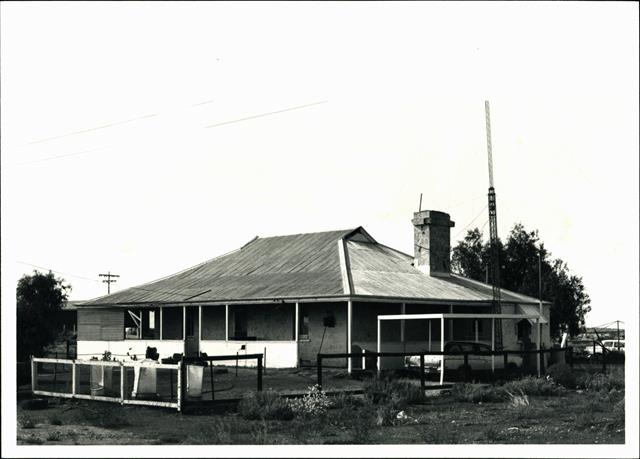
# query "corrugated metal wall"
(100, 324)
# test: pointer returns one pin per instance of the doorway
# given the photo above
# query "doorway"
(192, 332)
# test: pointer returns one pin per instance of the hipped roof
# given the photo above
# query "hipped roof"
(333, 264)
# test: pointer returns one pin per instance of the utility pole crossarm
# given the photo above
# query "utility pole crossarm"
(109, 279)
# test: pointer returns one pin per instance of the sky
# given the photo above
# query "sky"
(144, 138)
(132, 140)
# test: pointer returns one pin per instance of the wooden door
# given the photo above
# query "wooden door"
(192, 332)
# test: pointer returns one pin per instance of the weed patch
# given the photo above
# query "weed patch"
(32, 440)
(54, 436)
(534, 386)
(26, 422)
(562, 374)
(265, 405)
(105, 416)
(474, 393)
(398, 393)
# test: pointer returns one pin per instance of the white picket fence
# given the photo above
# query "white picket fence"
(124, 397)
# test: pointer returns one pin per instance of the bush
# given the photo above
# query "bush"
(32, 440)
(474, 393)
(386, 415)
(315, 402)
(603, 383)
(534, 386)
(398, 393)
(343, 400)
(265, 405)
(55, 420)
(26, 422)
(518, 399)
(562, 374)
(54, 436)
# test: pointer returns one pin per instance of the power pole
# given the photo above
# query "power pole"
(108, 280)
(493, 235)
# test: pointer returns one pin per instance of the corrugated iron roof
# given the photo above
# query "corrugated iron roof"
(303, 266)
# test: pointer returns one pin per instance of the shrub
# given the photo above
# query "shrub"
(343, 400)
(265, 405)
(518, 399)
(601, 383)
(315, 402)
(26, 422)
(54, 436)
(399, 393)
(534, 386)
(260, 433)
(386, 415)
(474, 393)
(562, 374)
(55, 420)
(32, 440)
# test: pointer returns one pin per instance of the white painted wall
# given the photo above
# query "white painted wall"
(279, 354)
(119, 349)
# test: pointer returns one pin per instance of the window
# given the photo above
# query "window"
(132, 324)
(240, 323)
(303, 332)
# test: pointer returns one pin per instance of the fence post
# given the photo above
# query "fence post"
(506, 361)
(33, 374)
(55, 373)
(594, 347)
(466, 365)
(319, 367)
(422, 385)
(259, 373)
(604, 362)
(123, 369)
(211, 374)
(179, 386)
(364, 360)
(67, 341)
(73, 379)
(265, 361)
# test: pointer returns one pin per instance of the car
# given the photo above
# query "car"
(613, 345)
(455, 363)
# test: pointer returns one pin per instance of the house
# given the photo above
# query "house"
(293, 296)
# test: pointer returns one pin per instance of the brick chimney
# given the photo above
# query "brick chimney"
(432, 242)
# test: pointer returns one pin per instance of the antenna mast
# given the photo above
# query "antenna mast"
(493, 235)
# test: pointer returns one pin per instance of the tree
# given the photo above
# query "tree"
(519, 273)
(39, 301)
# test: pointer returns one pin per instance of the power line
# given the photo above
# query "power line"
(49, 158)
(83, 131)
(265, 114)
(469, 224)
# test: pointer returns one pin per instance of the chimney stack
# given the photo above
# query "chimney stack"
(432, 242)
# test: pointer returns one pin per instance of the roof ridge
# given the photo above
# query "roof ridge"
(342, 232)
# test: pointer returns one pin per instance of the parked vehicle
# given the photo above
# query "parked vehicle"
(614, 345)
(432, 363)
